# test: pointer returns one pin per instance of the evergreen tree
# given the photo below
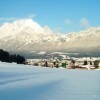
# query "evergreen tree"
(85, 62)
(96, 63)
(46, 64)
(90, 62)
(6, 57)
(20, 59)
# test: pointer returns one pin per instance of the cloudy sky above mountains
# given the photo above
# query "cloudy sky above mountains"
(60, 15)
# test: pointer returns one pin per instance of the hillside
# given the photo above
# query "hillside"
(21, 82)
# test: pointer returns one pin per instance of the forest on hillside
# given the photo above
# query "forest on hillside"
(7, 57)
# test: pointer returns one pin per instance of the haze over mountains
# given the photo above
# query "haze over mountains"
(27, 36)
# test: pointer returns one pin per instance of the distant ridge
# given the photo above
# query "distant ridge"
(27, 36)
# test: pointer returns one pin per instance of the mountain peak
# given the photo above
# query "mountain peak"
(27, 35)
(27, 23)
(18, 26)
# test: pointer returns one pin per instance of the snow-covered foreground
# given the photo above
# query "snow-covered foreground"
(20, 82)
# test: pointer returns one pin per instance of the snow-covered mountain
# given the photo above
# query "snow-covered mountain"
(25, 35)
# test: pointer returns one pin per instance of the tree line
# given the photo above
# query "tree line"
(6, 57)
(95, 63)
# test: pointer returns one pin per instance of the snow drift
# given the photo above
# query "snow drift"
(21, 82)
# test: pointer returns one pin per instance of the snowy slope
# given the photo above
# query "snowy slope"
(25, 35)
(20, 82)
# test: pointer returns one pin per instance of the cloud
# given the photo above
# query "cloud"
(8, 19)
(68, 21)
(14, 18)
(32, 15)
(84, 23)
(57, 30)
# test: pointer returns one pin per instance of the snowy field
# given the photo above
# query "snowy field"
(21, 82)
